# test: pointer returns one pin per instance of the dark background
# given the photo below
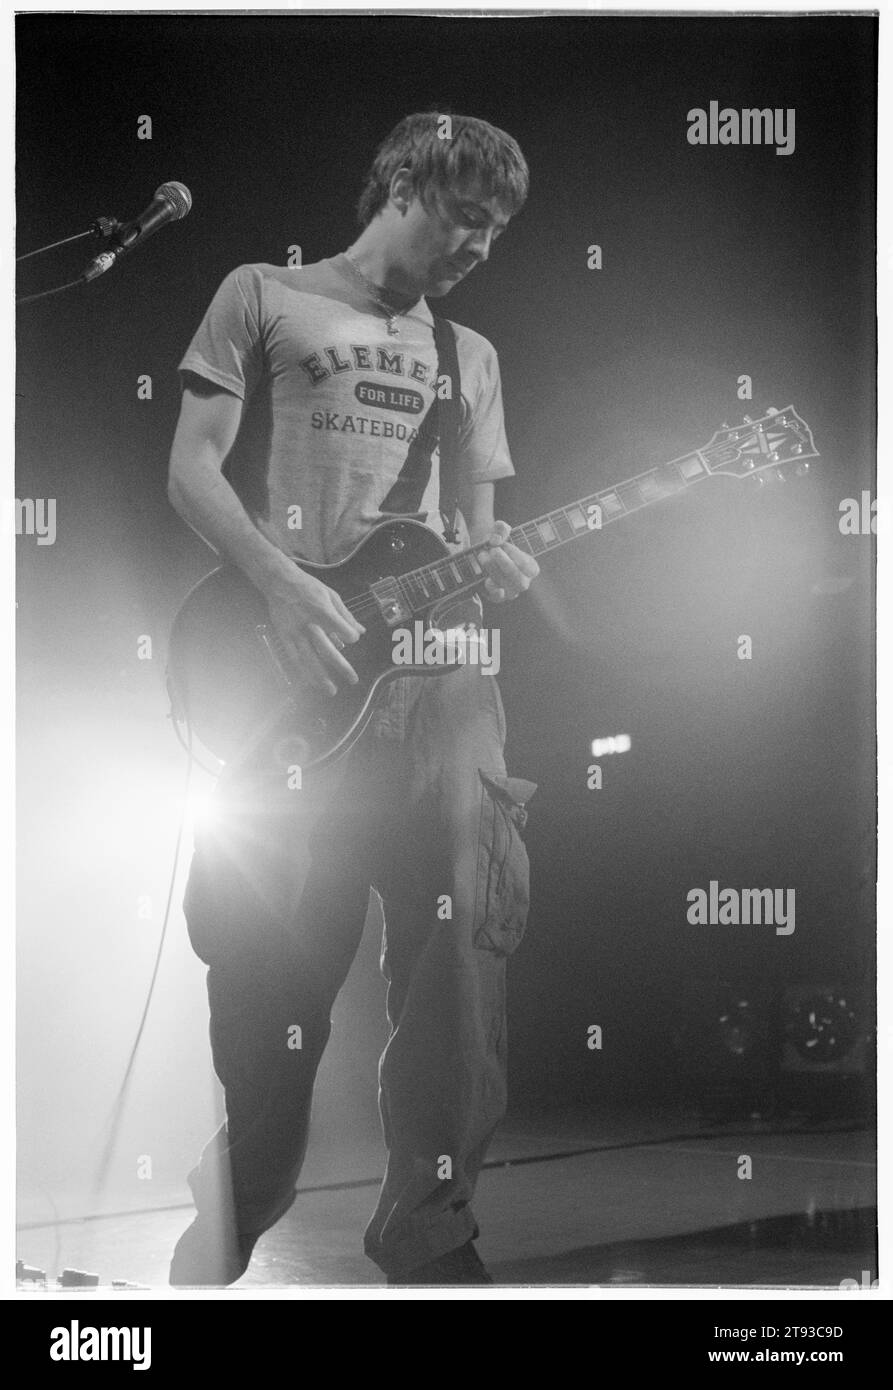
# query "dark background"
(718, 262)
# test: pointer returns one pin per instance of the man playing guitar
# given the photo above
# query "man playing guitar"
(306, 392)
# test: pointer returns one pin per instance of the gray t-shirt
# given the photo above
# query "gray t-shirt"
(333, 402)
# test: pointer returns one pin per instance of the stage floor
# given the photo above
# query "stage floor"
(631, 1198)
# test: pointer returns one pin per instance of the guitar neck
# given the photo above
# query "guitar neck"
(593, 513)
(462, 573)
(755, 447)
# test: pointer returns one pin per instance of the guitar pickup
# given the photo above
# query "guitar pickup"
(392, 605)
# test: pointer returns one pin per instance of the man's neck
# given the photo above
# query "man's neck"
(373, 255)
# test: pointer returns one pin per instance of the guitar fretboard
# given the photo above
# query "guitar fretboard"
(463, 572)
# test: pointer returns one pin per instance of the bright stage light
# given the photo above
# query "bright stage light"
(201, 811)
(618, 743)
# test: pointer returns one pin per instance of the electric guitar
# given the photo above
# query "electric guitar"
(231, 681)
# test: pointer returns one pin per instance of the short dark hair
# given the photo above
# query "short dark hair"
(474, 149)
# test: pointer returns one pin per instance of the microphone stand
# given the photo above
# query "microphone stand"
(103, 227)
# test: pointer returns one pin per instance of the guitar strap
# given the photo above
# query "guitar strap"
(442, 421)
(450, 418)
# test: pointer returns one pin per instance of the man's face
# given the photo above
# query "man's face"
(447, 239)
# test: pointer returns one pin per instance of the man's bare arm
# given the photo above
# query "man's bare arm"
(206, 430)
(305, 612)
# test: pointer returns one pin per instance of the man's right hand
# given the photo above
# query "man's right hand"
(312, 620)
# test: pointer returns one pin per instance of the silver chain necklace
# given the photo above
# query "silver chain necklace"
(390, 313)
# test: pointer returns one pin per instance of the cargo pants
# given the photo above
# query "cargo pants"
(422, 809)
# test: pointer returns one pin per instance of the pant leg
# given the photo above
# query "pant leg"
(275, 906)
(456, 892)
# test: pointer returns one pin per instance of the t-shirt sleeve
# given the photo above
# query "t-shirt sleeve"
(483, 448)
(227, 348)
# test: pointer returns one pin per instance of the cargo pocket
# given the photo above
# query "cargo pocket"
(502, 893)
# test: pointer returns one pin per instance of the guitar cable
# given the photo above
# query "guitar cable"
(809, 1129)
(113, 1123)
(187, 747)
(116, 1110)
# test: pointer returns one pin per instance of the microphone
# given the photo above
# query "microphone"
(171, 202)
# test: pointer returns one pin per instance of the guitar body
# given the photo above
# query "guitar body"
(230, 682)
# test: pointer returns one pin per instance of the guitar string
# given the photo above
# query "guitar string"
(367, 603)
(519, 536)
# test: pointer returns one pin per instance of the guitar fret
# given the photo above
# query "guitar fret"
(665, 481)
(412, 588)
(520, 538)
(651, 488)
(691, 467)
(611, 505)
(629, 495)
(563, 528)
(535, 539)
(404, 589)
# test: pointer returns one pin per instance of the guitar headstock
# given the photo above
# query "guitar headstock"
(777, 445)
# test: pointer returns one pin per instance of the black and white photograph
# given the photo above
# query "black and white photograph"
(445, 717)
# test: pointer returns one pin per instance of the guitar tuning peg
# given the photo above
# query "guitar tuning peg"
(767, 476)
(747, 420)
(802, 469)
